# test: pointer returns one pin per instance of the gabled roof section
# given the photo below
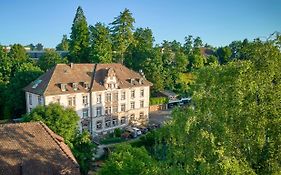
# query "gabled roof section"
(42, 81)
(126, 78)
(50, 82)
(32, 148)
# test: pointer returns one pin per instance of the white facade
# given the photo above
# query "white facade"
(106, 115)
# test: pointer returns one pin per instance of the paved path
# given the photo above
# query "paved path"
(159, 117)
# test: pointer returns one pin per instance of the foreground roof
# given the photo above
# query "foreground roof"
(93, 74)
(32, 148)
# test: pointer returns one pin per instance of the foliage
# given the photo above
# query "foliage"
(83, 150)
(62, 121)
(153, 68)
(122, 34)
(5, 66)
(39, 47)
(79, 38)
(25, 74)
(127, 160)
(224, 54)
(158, 100)
(50, 59)
(101, 46)
(234, 128)
(141, 50)
(64, 45)
(111, 140)
(117, 132)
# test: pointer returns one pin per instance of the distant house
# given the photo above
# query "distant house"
(32, 148)
(105, 96)
(206, 52)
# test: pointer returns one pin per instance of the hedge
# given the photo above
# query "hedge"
(158, 100)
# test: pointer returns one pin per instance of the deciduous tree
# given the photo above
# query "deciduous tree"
(62, 121)
(101, 46)
(50, 59)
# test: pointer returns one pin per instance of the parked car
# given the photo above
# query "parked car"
(133, 133)
(143, 129)
(137, 130)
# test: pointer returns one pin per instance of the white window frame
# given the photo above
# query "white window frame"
(99, 99)
(123, 120)
(99, 124)
(123, 107)
(141, 104)
(123, 95)
(71, 100)
(63, 87)
(142, 93)
(132, 105)
(133, 94)
(98, 111)
(85, 112)
(75, 86)
(107, 123)
(85, 99)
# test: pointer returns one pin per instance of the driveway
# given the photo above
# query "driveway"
(159, 117)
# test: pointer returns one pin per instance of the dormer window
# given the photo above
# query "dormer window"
(141, 81)
(75, 86)
(63, 87)
(86, 85)
(132, 81)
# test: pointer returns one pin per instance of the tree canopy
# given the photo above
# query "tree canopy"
(50, 59)
(79, 38)
(122, 34)
(62, 121)
(101, 46)
(233, 125)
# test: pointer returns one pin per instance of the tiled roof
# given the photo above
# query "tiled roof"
(32, 148)
(206, 51)
(80, 73)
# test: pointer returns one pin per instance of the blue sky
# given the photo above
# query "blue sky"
(217, 22)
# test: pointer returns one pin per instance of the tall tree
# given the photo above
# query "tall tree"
(50, 59)
(141, 50)
(224, 54)
(188, 45)
(63, 45)
(101, 46)
(79, 38)
(39, 47)
(5, 66)
(153, 70)
(197, 43)
(122, 34)
(18, 56)
(15, 96)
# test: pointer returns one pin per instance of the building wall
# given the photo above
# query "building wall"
(32, 100)
(79, 106)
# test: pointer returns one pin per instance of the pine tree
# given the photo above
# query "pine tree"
(122, 33)
(79, 38)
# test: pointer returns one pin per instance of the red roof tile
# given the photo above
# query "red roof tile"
(32, 148)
